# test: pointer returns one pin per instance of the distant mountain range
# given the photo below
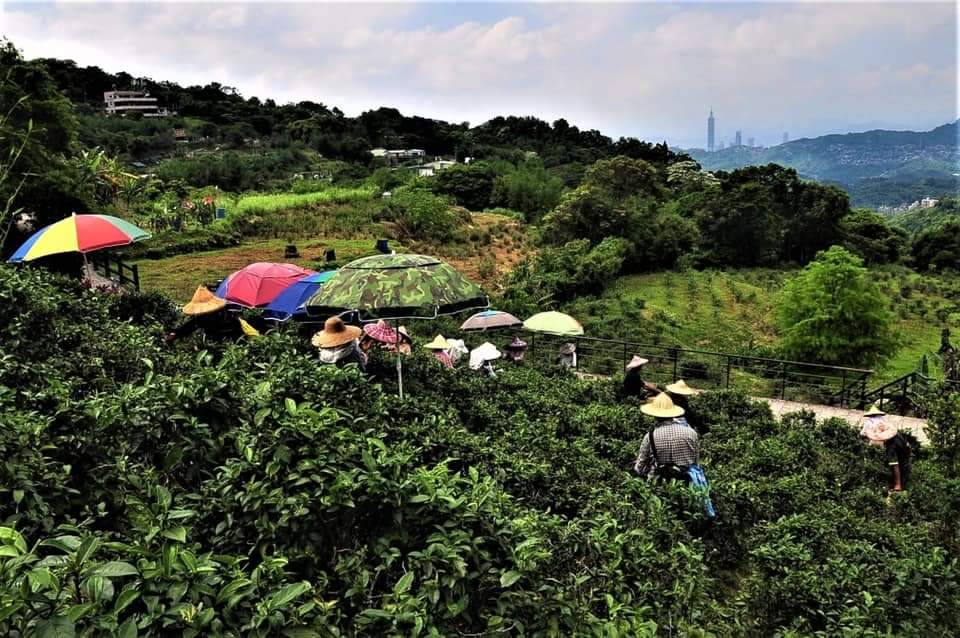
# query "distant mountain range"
(875, 167)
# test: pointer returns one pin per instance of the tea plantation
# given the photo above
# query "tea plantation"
(246, 490)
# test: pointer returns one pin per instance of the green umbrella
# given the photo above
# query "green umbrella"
(396, 287)
(554, 323)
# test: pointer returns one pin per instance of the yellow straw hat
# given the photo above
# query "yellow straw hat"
(203, 302)
(874, 411)
(681, 388)
(439, 343)
(662, 407)
(335, 333)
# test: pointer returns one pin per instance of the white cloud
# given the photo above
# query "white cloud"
(649, 70)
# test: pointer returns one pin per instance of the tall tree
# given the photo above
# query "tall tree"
(31, 102)
(832, 312)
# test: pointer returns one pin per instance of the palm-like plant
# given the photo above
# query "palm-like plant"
(101, 176)
(10, 185)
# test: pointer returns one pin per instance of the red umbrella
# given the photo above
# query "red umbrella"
(259, 284)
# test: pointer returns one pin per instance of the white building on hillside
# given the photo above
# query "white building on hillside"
(123, 102)
(432, 168)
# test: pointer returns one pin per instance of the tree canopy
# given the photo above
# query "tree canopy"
(833, 313)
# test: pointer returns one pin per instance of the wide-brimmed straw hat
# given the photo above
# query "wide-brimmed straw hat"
(568, 348)
(482, 353)
(637, 362)
(203, 303)
(516, 344)
(382, 332)
(681, 388)
(880, 431)
(439, 343)
(874, 411)
(662, 407)
(335, 333)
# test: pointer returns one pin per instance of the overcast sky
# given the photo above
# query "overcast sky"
(650, 70)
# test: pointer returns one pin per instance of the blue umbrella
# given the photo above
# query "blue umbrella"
(290, 301)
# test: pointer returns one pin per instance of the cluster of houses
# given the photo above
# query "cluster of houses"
(926, 202)
(412, 158)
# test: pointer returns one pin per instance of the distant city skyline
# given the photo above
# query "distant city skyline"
(711, 145)
(812, 67)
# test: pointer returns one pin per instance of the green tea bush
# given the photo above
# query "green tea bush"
(246, 490)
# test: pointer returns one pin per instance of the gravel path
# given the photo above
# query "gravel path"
(916, 427)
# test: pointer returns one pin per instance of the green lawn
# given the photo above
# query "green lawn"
(179, 276)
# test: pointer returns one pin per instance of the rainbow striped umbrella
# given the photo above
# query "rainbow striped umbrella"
(79, 233)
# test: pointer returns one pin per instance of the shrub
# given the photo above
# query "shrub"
(247, 490)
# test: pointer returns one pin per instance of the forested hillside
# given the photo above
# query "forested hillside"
(875, 167)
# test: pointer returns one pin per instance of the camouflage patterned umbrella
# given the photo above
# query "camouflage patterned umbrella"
(397, 286)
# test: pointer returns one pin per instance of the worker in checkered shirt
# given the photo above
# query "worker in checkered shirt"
(676, 445)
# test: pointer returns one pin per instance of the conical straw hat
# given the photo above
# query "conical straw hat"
(439, 343)
(203, 302)
(636, 362)
(662, 407)
(874, 411)
(880, 431)
(681, 388)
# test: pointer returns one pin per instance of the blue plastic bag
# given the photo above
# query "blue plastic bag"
(699, 484)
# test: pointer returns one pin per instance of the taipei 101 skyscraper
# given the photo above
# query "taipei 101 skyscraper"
(710, 128)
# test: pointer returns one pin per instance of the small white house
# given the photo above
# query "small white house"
(432, 168)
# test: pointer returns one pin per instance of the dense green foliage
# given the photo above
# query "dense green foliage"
(833, 312)
(938, 247)
(418, 212)
(559, 274)
(870, 236)
(753, 216)
(245, 490)
(37, 121)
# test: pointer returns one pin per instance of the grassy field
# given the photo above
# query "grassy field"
(274, 202)
(180, 275)
(731, 311)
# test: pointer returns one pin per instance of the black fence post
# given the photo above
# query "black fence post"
(136, 277)
(843, 389)
(783, 380)
(729, 361)
(676, 357)
(623, 367)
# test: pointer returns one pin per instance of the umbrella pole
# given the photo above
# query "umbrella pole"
(396, 327)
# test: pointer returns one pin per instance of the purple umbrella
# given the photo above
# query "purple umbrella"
(491, 320)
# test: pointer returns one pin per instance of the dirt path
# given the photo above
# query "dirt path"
(916, 427)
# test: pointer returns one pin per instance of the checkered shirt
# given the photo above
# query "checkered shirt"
(677, 443)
